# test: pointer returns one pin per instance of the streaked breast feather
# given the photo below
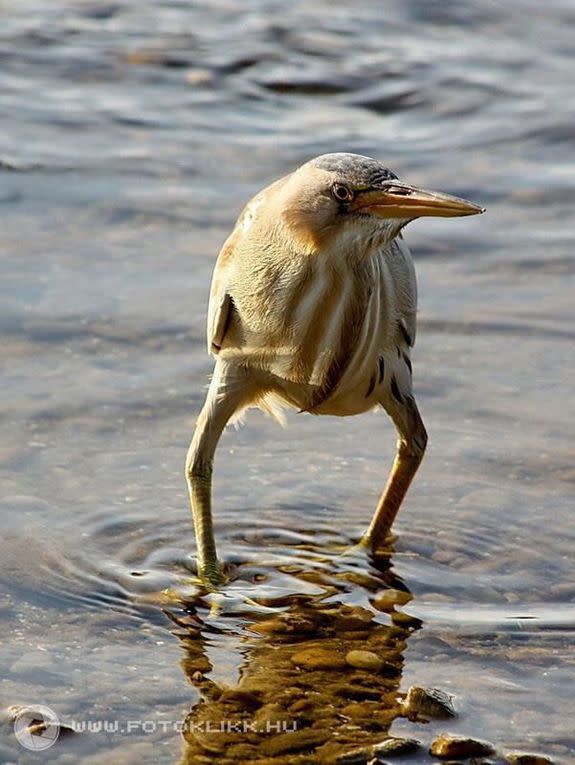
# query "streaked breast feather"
(344, 333)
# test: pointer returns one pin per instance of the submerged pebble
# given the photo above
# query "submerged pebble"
(364, 660)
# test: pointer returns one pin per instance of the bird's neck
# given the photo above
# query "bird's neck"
(351, 243)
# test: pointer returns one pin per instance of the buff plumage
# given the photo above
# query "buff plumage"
(313, 307)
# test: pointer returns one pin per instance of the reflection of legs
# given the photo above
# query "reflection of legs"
(225, 396)
(410, 448)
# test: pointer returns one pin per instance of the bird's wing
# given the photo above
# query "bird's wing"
(221, 306)
(219, 315)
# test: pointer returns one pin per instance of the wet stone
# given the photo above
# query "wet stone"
(525, 758)
(427, 703)
(364, 660)
(389, 599)
(448, 746)
(360, 756)
(396, 746)
(406, 620)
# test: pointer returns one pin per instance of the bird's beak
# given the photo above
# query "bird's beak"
(397, 200)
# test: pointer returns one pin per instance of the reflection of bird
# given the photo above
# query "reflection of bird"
(312, 306)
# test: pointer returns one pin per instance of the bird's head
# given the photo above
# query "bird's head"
(343, 199)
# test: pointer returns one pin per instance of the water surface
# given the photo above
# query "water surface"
(131, 135)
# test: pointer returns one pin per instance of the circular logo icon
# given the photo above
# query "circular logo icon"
(36, 727)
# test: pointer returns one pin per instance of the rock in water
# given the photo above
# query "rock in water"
(359, 756)
(524, 758)
(428, 703)
(364, 660)
(448, 746)
(396, 746)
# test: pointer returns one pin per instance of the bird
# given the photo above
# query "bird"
(312, 307)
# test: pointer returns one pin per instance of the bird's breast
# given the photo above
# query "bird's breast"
(317, 328)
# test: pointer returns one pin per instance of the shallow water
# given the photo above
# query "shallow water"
(131, 134)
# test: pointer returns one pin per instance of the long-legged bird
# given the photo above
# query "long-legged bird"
(313, 307)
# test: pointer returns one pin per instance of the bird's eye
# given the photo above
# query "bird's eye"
(341, 192)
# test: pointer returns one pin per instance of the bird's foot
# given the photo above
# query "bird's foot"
(379, 543)
(358, 551)
(368, 547)
(211, 574)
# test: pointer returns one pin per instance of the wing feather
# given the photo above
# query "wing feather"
(221, 305)
(219, 315)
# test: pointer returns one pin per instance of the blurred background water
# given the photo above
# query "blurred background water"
(131, 134)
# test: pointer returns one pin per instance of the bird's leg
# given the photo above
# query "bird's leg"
(410, 449)
(225, 396)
